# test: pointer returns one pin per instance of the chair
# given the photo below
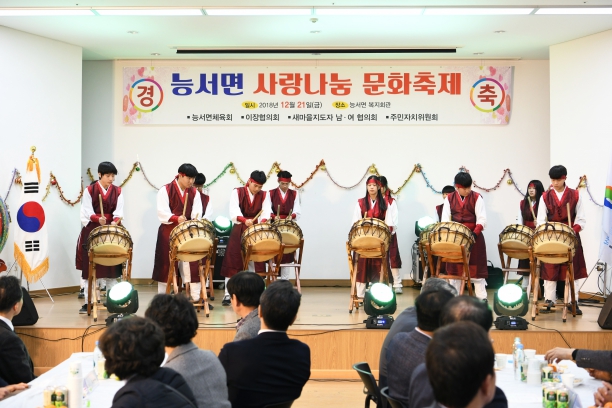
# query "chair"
(369, 384)
(285, 404)
(393, 402)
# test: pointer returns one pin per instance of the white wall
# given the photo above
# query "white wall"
(580, 135)
(347, 150)
(40, 105)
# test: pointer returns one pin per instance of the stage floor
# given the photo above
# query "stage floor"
(337, 338)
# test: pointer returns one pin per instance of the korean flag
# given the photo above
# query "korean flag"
(31, 242)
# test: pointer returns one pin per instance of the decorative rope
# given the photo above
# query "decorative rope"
(53, 181)
(585, 183)
(14, 178)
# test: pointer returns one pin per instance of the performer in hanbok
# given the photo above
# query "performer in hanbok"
(394, 256)
(445, 192)
(372, 205)
(245, 203)
(285, 200)
(467, 207)
(527, 208)
(91, 217)
(553, 208)
(170, 205)
(191, 280)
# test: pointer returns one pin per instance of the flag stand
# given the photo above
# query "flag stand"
(41, 282)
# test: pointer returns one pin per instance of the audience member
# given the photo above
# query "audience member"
(461, 308)
(134, 349)
(459, 362)
(244, 289)
(407, 350)
(200, 368)
(406, 322)
(15, 362)
(270, 368)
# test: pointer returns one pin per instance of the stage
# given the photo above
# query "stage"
(337, 339)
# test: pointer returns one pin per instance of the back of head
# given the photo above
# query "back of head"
(467, 308)
(107, 168)
(557, 172)
(279, 305)
(10, 293)
(458, 359)
(188, 169)
(259, 177)
(429, 305)
(200, 179)
(247, 286)
(463, 179)
(383, 181)
(132, 346)
(448, 190)
(284, 174)
(176, 316)
(438, 284)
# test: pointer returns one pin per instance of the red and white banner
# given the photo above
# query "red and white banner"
(411, 95)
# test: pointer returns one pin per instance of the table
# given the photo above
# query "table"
(100, 397)
(521, 394)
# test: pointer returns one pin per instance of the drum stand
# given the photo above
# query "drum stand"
(462, 256)
(297, 263)
(506, 265)
(424, 263)
(204, 271)
(275, 259)
(569, 282)
(93, 296)
(353, 259)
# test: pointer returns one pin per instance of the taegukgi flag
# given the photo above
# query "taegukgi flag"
(31, 241)
(605, 250)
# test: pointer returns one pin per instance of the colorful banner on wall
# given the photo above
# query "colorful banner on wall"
(410, 95)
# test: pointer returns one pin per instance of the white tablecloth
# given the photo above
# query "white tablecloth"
(100, 397)
(521, 394)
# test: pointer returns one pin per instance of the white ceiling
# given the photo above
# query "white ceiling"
(106, 37)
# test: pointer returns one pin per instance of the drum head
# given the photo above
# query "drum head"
(515, 245)
(289, 238)
(447, 247)
(110, 249)
(199, 244)
(552, 247)
(265, 244)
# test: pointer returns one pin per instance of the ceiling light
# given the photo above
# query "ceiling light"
(369, 11)
(155, 53)
(499, 32)
(149, 12)
(315, 32)
(467, 11)
(226, 51)
(259, 12)
(478, 53)
(45, 12)
(132, 32)
(575, 10)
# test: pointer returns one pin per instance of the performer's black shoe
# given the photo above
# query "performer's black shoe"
(83, 309)
(549, 304)
(81, 294)
(226, 301)
(578, 311)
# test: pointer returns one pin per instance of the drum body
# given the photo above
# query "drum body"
(369, 233)
(553, 238)
(262, 237)
(516, 237)
(110, 240)
(291, 233)
(424, 237)
(449, 236)
(192, 236)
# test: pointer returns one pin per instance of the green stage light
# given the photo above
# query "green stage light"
(510, 300)
(422, 223)
(379, 304)
(223, 225)
(122, 300)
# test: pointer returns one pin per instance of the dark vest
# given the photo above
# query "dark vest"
(277, 200)
(205, 200)
(527, 215)
(372, 212)
(176, 200)
(463, 212)
(250, 209)
(557, 210)
(109, 201)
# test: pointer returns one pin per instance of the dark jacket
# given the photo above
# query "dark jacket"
(404, 323)
(405, 352)
(268, 369)
(596, 359)
(15, 362)
(149, 392)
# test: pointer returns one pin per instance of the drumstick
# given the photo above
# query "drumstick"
(532, 212)
(278, 212)
(101, 206)
(569, 217)
(196, 217)
(258, 214)
(289, 215)
(185, 204)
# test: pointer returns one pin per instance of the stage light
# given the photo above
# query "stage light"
(422, 223)
(223, 228)
(122, 300)
(379, 304)
(510, 302)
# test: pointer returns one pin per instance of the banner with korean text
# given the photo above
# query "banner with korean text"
(410, 95)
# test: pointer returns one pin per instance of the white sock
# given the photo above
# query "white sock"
(480, 288)
(161, 287)
(361, 288)
(226, 292)
(397, 277)
(196, 287)
(550, 290)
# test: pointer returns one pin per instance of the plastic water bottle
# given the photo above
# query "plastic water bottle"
(97, 355)
(75, 385)
(519, 359)
(98, 360)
